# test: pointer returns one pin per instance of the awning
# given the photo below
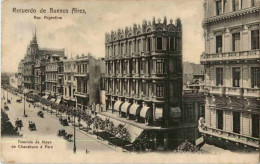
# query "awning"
(25, 91)
(45, 97)
(58, 101)
(146, 112)
(125, 106)
(158, 113)
(52, 100)
(117, 105)
(135, 109)
(133, 131)
(175, 112)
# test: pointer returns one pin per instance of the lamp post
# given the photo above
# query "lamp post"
(24, 105)
(74, 147)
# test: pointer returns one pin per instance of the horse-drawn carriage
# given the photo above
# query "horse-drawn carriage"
(8, 101)
(19, 100)
(63, 121)
(31, 126)
(64, 134)
(40, 114)
(19, 123)
(6, 107)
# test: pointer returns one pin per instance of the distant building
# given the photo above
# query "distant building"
(32, 66)
(14, 80)
(231, 60)
(87, 81)
(193, 76)
(54, 76)
(70, 82)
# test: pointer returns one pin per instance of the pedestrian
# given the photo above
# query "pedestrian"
(29, 105)
(86, 151)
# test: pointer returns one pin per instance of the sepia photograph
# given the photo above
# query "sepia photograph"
(141, 81)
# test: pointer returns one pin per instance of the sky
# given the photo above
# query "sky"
(85, 33)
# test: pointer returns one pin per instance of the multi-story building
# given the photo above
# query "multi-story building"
(20, 75)
(143, 80)
(32, 67)
(88, 81)
(231, 59)
(193, 76)
(70, 69)
(54, 73)
(193, 107)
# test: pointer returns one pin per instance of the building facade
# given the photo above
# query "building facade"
(53, 76)
(143, 80)
(144, 70)
(32, 68)
(70, 69)
(231, 59)
(88, 81)
(20, 75)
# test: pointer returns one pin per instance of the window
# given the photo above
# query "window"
(219, 76)
(224, 6)
(172, 44)
(159, 43)
(122, 49)
(236, 41)
(130, 48)
(236, 76)
(255, 77)
(235, 5)
(254, 2)
(69, 77)
(149, 44)
(159, 90)
(159, 66)
(220, 119)
(219, 44)
(255, 125)
(236, 122)
(218, 8)
(255, 39)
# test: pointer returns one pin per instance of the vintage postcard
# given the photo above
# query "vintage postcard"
(132, 81)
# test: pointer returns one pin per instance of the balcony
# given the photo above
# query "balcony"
(237, 138)
(225, 56)
(218, 90)
(81, 74)
(81, 94)
(252, 92)
(231, 14)
(234, 91)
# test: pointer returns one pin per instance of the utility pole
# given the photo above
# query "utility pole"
(24, 105)
(74, 148)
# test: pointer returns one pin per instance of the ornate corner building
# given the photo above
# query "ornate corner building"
(143, 80)
(232, 80)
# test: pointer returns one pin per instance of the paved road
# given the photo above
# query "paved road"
(48, 126)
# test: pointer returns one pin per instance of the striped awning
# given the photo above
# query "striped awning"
(146, 112)
(52, 100)
(125, 107)
(133, 131)
(45, 97)
(58, 101)
(135, 109)
(117, 105)
(158, 113)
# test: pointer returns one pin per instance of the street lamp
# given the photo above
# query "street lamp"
(74, 115)
(24, 105)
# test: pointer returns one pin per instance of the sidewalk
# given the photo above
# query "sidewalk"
(90, 133)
